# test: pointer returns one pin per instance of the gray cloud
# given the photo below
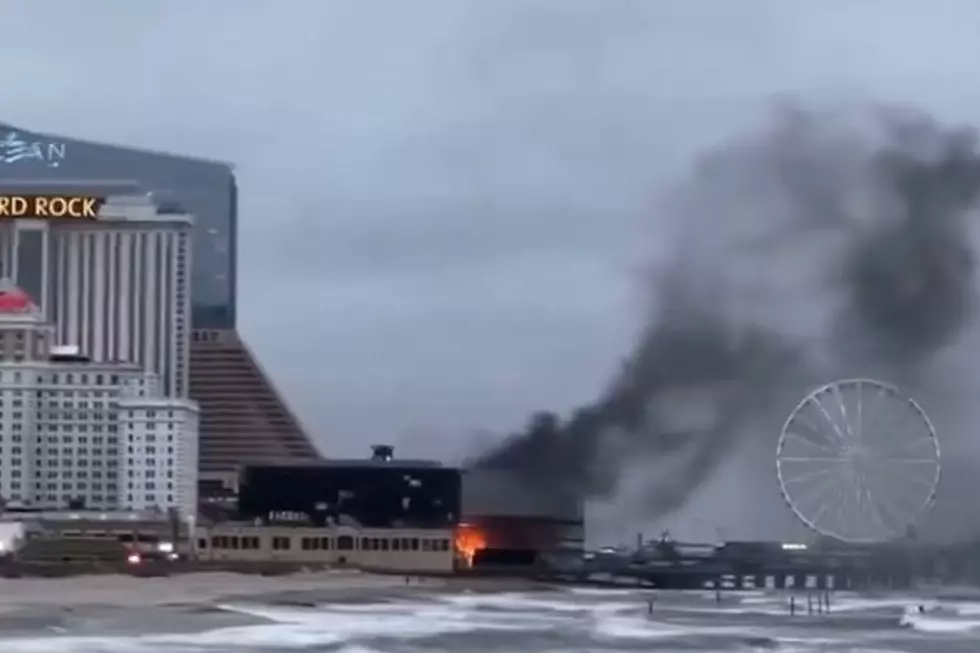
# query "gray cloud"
(452, 197)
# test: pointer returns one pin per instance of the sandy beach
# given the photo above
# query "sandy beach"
(209, 588)
(118, 605)
(188, 589)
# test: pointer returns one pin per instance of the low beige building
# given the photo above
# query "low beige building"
(394, 549)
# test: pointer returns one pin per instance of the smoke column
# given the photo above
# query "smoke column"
(825, 244)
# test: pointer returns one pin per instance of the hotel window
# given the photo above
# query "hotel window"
(310, 543)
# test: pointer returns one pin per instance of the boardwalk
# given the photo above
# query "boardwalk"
(894, 567)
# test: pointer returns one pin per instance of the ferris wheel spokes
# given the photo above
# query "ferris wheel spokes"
(857, 461)
(827, 416)
(798, 437)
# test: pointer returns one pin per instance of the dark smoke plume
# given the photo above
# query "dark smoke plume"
(826, 244)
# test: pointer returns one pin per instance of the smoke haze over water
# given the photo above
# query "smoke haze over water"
(825, 244)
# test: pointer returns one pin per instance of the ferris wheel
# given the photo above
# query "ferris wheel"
(858, 461)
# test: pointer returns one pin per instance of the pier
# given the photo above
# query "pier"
(757, 566)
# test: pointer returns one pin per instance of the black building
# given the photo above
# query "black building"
(504, 514)
(379, 492)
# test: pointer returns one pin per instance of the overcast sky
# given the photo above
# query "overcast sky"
(444, 203)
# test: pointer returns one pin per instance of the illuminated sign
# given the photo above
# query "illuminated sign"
(21, 148)
(288, 517)
(50, 206)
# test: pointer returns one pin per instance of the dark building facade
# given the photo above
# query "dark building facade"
(503, 515)
(204, 188)
(375, 493)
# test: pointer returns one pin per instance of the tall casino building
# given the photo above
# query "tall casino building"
(117, 286)
(244, 419)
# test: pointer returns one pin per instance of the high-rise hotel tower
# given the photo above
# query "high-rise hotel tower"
(117, 287)
(244, 418)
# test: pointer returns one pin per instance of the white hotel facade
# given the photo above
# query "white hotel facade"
(87, 435)
(107, 426)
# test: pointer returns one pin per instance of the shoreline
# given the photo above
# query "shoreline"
(221, 603)
(203, 589)
(194, 589)
(123, 605)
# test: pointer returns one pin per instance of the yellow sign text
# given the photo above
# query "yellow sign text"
(50, 206)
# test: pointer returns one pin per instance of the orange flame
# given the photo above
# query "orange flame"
(469, 540)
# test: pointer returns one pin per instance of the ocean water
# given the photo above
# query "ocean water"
(579, 621)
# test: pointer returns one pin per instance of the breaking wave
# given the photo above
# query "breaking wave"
(554, 621)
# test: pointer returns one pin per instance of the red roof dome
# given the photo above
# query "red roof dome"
(14, 301)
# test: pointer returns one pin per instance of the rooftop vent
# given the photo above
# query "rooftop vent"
(382, 452)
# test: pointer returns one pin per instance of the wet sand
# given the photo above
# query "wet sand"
(190, 603)
(97, 605)
(200, 589)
